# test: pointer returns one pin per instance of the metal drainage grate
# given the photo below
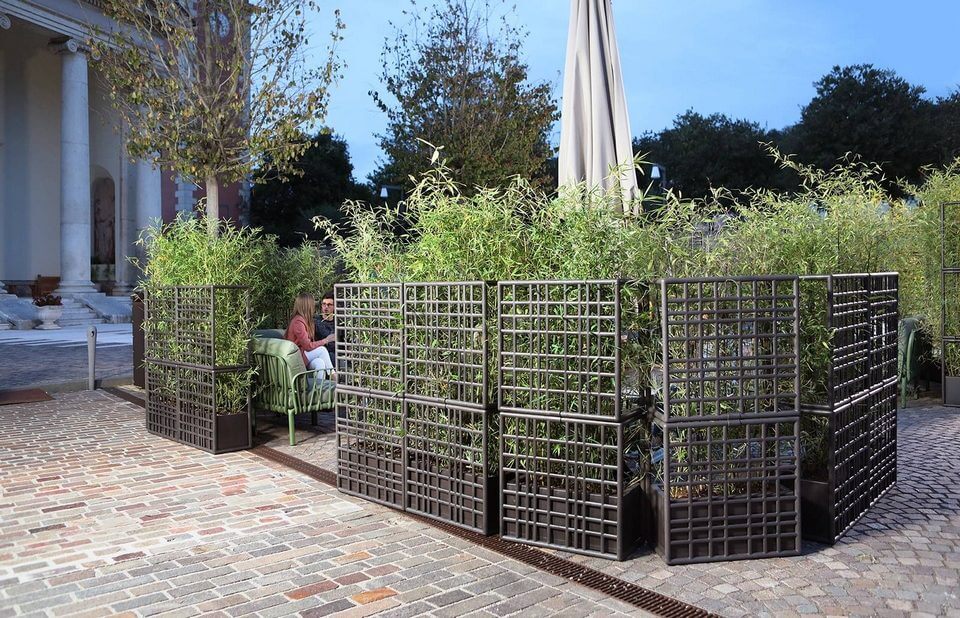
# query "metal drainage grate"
(627, 592)
(639, 597)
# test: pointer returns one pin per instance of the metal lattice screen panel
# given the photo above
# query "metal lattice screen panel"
(370, 446)
(204, 326)
(575, 485)
(884, 321)
(197, 366)
(835, 339)
(727, 491)
(950, 306)
(883, 439)
(451, 472)
(572, 348)
(369, 320)
(447, 355)
(161, 399)
(729, 349)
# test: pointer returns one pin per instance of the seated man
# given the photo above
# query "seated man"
(325, 327)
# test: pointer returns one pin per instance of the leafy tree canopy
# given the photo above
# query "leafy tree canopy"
(701, 152)
(454, 78)
(213, 88)
(323, 181)
(870, 112)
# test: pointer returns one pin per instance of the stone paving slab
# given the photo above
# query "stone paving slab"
(39, 358)
(100, 517)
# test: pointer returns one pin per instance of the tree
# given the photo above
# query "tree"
(872, 113)
(213, 90)
(947, 122)
(458, 82)
(701, 152)
(324, 180)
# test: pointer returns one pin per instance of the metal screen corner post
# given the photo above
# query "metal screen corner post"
(949, 309)
(726, 414)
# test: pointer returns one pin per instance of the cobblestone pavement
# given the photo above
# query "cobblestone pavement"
(902, 558)
(100, 517)
(38, 358)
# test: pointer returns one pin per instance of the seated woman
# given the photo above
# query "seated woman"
(301, 332)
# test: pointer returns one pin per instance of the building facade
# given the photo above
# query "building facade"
(72, 205)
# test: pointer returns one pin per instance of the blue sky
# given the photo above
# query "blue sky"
(754, 59)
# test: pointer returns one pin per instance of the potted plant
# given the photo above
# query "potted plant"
(49, 310)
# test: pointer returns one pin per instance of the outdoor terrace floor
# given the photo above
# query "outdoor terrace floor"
(100, 516)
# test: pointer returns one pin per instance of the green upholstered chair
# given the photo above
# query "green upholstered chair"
(284, 385)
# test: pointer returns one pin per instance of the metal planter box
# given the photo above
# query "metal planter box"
(369, 320)
(370, 446)
(571, 348)
(727, 491)
(836, 469)
(729, 349)
(451, 456)
(574, 485)
(447, 351)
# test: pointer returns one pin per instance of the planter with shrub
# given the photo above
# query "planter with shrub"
(371, 463)
(198, 367)
(49, 309)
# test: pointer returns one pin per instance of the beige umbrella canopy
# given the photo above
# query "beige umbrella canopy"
(594, 125)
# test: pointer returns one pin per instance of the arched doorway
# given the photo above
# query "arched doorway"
(103, 197)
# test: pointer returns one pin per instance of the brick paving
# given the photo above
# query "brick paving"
(47, 358)
(100, 517)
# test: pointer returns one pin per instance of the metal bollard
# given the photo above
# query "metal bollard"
(92, 358)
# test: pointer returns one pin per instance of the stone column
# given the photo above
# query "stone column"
(74, 172)
(4, 25)
(143, 208)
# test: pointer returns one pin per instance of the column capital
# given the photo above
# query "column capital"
(66, 45)
(4, 21)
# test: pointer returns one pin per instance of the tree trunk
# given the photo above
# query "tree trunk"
(213, 205)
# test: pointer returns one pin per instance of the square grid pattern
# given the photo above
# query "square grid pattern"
(573, 484)
(451, 472)
(561, 348)
(370, 446)
(884, 321)
(728, 491)
(369, 318)
(447, 356)
(883, 439)
(730, 348)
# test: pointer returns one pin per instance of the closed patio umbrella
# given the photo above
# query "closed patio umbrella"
(594, 125)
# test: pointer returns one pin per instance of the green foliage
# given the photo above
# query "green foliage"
(513, 232)
(871, 112)
(324, 180)
(211, 92)
(183, 253)
(453, 78)
(705, 152)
